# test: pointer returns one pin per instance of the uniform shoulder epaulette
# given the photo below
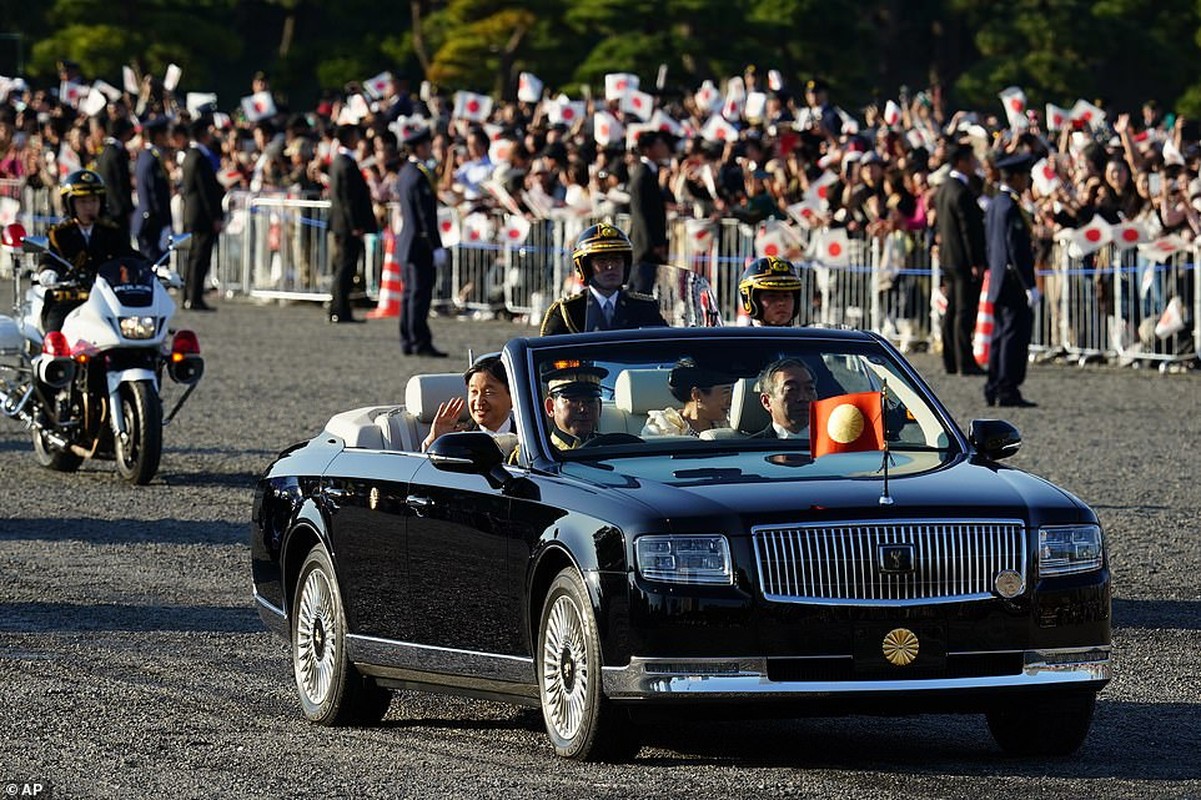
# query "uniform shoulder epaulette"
(640, 296)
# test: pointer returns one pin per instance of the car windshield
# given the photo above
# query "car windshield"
(835, 399)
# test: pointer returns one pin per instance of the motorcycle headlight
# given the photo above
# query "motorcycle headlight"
(1069, 549)
(684, 559)
(139, 327)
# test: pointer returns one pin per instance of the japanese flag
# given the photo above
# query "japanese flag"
(1046, 179)
(756, 105)
(850, 125)
(1092, 236)
(94, 103)
(892, 114)
(640, 104)
(735, 102)
(1057, 117)
(1128, 234)
(197, 100)
(72, 93)
(565, 112)
(775, 81)
(129, 80)
(448, 228)
(10, 209)
(707, 98)
(1014, 101)
(257, 106)
(110, 91)
(1162, 249)
(379, 85)
(1171, 321)
(500, 151)
(834, 247)
(472, 106)
(477, 228)
(171, 78)
(818, 192)
(635, 130)
(1088, 113)
(617, 84)
(660, 121)
(529, 88)
(718, 130)
(700, 234)
(771, 242)
(517, 229)
(607, 130)
(806, 212)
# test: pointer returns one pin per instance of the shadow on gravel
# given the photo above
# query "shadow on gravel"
(1130, 741)
(1179, 614)
(124, 531)
(232, 480)
(113, 617)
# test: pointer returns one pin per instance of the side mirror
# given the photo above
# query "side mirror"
(176, 239)
(469, 453)
(994, 438)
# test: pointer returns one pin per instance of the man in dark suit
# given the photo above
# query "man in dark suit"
(351, 216)
(1011, 286)
(83, 240)
(648, 212)
(202, 214)
(786, 388)
(962, 259)
(602, 260)
(419, 246)
(153, 211)
(112, 165)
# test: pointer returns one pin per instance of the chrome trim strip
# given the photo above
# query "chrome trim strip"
(731, 678)
(798, 563)
(269, 606)
(429, 658)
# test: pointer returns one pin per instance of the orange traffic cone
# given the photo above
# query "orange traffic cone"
(390, 284)
(982, 335)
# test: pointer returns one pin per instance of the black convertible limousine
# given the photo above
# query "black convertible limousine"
(840, 547)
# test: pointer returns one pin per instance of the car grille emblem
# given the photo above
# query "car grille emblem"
(896, 559)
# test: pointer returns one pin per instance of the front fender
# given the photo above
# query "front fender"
(131, 375)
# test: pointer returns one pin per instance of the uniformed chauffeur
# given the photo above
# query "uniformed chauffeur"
(573, 402)
(602, 258)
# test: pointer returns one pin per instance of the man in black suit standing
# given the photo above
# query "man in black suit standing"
(1011, 286)
(112, 165)
(962, 260)
(153, 211)
(351, 216)
(602, 259)
(202, 214)
(648, 212)
(419, 246)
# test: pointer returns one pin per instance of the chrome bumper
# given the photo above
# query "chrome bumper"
(732, 678)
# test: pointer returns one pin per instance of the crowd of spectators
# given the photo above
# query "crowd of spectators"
(881, 173)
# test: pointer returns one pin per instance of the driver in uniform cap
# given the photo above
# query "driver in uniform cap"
(573, 402)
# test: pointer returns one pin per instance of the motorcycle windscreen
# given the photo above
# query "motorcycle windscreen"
(132, 281)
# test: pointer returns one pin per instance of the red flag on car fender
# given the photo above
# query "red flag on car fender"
(847, 423)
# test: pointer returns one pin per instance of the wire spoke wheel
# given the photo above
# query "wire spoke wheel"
(565, 667)
(315, 646)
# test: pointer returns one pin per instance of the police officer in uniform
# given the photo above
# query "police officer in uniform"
(84, 241)
(419, 247)
(602, 259)
(573, 402)
(153, 211)
(1011, 284)
(770, 292)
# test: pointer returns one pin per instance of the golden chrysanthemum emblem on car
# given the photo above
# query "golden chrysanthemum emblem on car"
(900, 646)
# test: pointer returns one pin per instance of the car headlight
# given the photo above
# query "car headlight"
(139, 327)
(1068, 549)
(684, 559)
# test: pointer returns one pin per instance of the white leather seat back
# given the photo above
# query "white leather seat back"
(637, 392)
(747, 413)
(424, 393)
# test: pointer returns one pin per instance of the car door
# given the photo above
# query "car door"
(462, 598)
(365, 491)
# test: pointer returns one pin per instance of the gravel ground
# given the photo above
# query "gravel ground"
(134, 664)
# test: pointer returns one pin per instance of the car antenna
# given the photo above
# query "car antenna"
(885, 497)
(470, 356)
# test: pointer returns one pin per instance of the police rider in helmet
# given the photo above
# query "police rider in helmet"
(84, 241)
(602, 259)
(770, 292)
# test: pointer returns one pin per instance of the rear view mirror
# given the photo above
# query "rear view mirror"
(994, 438)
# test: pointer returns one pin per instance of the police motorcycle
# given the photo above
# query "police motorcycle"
(91, 391)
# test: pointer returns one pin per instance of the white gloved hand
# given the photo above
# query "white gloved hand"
(441, 257)
(48, 277)
(1033, 297)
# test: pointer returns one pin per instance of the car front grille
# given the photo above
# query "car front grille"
(846, 563)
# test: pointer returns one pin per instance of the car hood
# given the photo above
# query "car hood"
(957, 488)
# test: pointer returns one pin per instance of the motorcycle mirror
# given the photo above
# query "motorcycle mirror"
(14, 235)
(177, 239)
